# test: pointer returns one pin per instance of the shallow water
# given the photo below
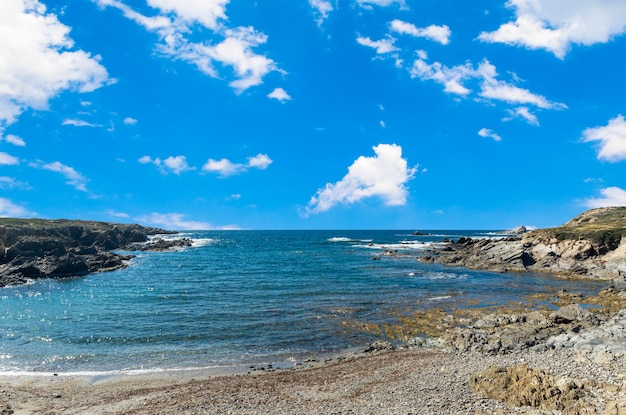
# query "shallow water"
(240, 297)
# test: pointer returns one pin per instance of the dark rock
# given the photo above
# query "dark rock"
(35, 248)
(161, 244)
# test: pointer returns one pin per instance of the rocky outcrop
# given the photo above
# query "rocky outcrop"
(35, 248)
(591, 245)
(521, 385)
(509, 333)
(160, 244)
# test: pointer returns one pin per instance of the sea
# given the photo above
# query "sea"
(244, 298)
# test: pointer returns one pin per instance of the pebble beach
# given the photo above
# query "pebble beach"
(574, 372)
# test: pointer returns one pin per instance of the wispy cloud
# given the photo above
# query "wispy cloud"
(12, 183)
(382, 46)
(546, 24)
(487, 133)
(322, 9)
(8, 160)
(176, 165)
(9, 209)
(440, 34)
(523, 113)
(454, 80)
(612, 138)
(130, 121)
(367, 4)
(79, 123)
(15, 140)
(115, 214)
(384, 176)
(34, 35)
(225, 167)
(74, 178)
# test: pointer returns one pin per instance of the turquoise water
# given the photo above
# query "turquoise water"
(239, 297)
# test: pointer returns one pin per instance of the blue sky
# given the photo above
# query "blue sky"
(296, 114)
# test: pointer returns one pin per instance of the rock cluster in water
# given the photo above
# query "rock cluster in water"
(35, 248)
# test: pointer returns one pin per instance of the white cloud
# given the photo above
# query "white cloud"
(7, 159)
(382, 46)
(175, 27)
(38, 60)
(206, 12)
(384, 175)
(524, 113)
(322, 8)
(555, 25)
(440, 34)
(130, 121)
(612, 196)
(487, 133)
(74, 178)
(225, 167)
(612, 138)
(236, 51)
(382, 124)
(454, 78)
(260, 161)
(15, 140)
(79, 123)
(280, 95)
(9, 209)
(493, 88)
(176, 165)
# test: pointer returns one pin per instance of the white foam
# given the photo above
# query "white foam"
(439, 298)
(339, 239)
(403, 246)
(200, 242)
(344, 239)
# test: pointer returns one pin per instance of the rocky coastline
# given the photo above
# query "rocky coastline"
(559, 353)
(592, 245)
(37, 248)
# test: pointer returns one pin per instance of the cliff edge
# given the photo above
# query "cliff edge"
(37, 248)
(592, 245)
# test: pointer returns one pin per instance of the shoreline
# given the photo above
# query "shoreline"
(405, 381)
(429, 379)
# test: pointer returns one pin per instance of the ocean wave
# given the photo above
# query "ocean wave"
(200, 242)
(344, 239)
(403, 246)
